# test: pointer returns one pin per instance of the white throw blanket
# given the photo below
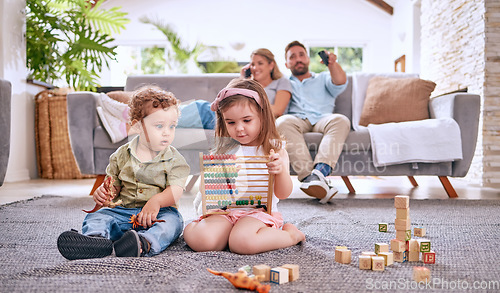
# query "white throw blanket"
(429, 141)
(424, 141)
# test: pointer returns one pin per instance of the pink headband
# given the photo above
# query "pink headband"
(229, 92)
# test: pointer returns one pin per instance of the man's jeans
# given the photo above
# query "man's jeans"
(113, 223)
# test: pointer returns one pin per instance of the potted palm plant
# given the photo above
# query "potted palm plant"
(69, 40)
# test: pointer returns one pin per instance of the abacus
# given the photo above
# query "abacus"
(230, 182)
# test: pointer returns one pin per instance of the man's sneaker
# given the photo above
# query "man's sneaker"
(131, 244)
(73, 245)
(315, 185)
(331, 193)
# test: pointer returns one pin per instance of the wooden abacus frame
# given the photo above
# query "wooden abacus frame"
(218, 173)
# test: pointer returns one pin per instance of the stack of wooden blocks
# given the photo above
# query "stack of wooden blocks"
(403, 247)
(279, 275)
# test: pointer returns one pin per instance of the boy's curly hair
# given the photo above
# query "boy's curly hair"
(148, 99)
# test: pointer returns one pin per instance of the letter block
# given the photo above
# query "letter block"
(419, 231)
(403, 235)
(413, 245)
(402, 224)
(429, 257)
(425, 245)
(398, 245)
(293, 271)
(365, 262)
(413, 255)
(403, 213)
(378, 263)
(382, 227)
(388, 258)
(381, 247)
(400, 256)
(263, 270)
(343, 256)
(279, 275)
(401, 202)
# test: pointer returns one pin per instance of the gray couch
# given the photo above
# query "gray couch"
(92, 146)
(5, 101)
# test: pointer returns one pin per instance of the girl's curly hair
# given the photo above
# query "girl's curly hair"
(148, 99)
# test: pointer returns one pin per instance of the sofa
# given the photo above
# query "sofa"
(5, 101)
(92, 146)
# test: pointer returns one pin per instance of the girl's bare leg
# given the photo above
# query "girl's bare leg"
(251, 236)
(209, 234)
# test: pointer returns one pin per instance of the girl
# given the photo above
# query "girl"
(245, 125)
(149, 176)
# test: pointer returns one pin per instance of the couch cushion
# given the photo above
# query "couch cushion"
(396, 100)
(355, 141)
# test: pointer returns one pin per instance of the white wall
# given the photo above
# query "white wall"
(406, 33)
(269, 24)
(22, 161)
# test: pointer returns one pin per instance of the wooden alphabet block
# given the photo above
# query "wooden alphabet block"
(429, 257)
(413, 255)
(338, 256)
(279, 275)
(403, 213)
(293, 271)
(425, 245)
(403, 235)
(413, 245)
(421, 274)
(382, 227)
(400, 256)
(398, 245)
(402, 224)
(381, 247)
(388, 258)
(378, 263)
(365, 262)
(343, 256)
(419, 231)
(401, 202)
(263, 270)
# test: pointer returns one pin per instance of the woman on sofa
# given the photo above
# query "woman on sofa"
(264, 70)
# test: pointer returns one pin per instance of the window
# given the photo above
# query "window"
(350, 58)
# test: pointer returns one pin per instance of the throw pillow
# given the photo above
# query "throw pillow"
(396, 100)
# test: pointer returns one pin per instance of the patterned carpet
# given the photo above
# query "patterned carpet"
(464, 235)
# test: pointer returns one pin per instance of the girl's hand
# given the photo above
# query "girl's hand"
(275, 164)
(148, 214)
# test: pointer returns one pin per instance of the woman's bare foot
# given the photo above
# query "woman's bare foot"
(295, 233)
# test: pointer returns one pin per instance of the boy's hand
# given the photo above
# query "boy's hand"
(101, 195)
(275, 164)
(148, 214)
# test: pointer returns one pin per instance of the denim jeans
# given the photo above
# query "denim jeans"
(197, 114)
(113, 223)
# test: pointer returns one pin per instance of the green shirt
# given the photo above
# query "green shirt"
(140, 181)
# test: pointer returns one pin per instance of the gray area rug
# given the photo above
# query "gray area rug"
(464, 234)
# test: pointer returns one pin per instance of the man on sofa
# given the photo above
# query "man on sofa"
(311, 110)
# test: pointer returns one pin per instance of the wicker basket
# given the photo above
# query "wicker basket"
(55, 158)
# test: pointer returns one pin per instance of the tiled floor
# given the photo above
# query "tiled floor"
(366, 187)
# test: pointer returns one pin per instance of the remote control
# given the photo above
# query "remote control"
(324, 57)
